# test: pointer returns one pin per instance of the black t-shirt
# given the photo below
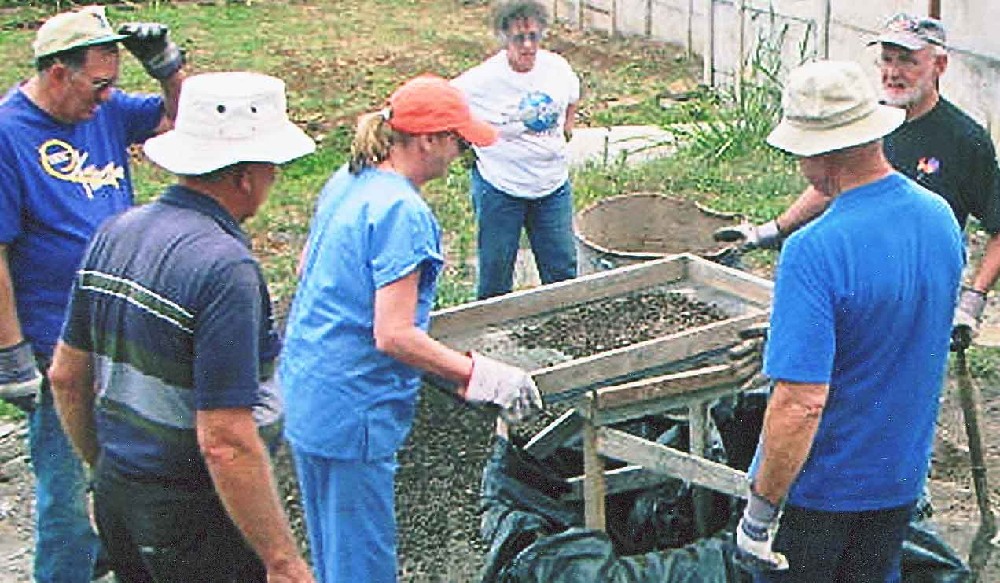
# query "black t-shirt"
(947, 152)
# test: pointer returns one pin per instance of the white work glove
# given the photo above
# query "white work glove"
(509, 387)
(755, 535)
(750, 236)
(968, 312)
(20, 380)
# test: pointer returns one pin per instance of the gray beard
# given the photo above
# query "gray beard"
(912, 97)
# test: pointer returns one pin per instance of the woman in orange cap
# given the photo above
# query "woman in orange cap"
(357, 341)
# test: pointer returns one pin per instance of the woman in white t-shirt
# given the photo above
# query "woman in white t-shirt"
(522, 181)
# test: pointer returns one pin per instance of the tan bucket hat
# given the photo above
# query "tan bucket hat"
(831, 105)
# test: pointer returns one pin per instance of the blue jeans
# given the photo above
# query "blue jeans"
(500, 217)
(350, 515)
(65, 543)
(841, 547)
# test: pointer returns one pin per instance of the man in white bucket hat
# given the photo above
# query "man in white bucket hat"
(858, 345)
(163, 374)
(64, 169)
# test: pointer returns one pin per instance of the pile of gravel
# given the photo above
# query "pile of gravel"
(437, 492)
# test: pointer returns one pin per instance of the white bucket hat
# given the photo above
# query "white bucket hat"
(831, 105)
(226, 118)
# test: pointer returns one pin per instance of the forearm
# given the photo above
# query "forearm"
(810, 204)
(72, 382)
(790, 425)
(75, 405)
(570, 122)
(396, 335)
(416, 348)
(171, 88)
(989, 267)
(10, 326)
(241, 472)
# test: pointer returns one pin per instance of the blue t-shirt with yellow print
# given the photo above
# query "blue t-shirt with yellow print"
(58, 183)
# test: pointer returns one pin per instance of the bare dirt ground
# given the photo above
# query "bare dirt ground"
(16, 498)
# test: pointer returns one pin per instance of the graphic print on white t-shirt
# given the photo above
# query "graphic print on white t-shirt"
(538, 111)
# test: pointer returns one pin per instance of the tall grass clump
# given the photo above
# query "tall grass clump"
(749, 109)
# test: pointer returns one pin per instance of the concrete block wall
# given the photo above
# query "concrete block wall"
(836, 29)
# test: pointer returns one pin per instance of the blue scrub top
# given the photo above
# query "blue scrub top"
(345, 399)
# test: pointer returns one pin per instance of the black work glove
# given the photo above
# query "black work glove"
(150, 43)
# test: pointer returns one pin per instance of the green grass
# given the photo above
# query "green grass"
(8, 411)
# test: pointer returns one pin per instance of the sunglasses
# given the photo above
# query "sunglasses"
(101, 83)
(519, 38)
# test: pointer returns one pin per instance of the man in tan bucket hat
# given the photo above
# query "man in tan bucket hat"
(858, 345)
(170, 321)
(64, 169)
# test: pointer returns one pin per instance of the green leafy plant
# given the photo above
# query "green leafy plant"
(748, 110)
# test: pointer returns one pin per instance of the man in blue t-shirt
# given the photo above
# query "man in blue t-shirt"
(64, 135)
(858, 345)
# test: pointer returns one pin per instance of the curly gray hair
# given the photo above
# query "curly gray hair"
(507, 13)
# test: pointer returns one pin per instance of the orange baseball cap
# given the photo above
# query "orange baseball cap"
(429, 104)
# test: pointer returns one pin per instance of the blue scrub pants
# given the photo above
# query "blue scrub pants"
(841, 547)
(500, 217)
(66, 545)
(350, 515)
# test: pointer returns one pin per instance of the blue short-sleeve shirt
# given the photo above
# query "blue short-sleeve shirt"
(863, 302)
(344, 398)
(174, 309)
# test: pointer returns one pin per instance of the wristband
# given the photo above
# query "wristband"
(760, 509)
(17, 359)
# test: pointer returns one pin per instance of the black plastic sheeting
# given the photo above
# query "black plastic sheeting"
(535, 537)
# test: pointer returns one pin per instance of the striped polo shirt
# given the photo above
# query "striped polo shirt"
(175, 310)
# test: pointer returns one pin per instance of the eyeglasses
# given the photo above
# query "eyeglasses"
(904, 61)
(102, 84)
(99, 84)
(519, 38)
